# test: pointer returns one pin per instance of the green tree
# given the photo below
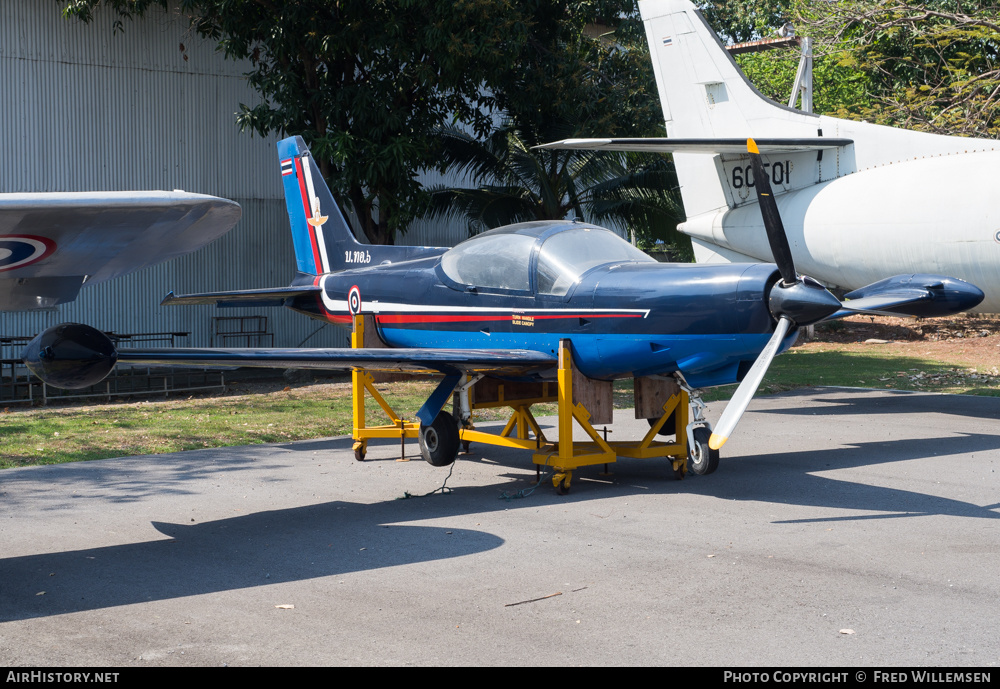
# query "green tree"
(839, 88)
(933, 66)
(746, 20)
(368, 83)
(514, 183)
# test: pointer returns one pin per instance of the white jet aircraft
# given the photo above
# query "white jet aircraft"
(860, 202)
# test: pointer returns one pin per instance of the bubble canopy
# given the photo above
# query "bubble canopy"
(556, 255)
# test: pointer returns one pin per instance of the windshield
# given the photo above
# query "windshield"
(567, 255)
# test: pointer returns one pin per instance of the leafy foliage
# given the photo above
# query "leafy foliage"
(517, 184)
(367, 83)
(746, 20)
(932, 65)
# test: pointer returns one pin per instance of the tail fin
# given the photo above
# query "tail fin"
(702, 90)
(323, 240)
(704, 95)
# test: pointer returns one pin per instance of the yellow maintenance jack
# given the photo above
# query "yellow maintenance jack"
(578, 399)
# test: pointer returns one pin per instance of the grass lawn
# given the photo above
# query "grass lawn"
(66, 434)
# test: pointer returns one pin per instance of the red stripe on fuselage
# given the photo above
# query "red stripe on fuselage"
(420, 318)
(307, 209)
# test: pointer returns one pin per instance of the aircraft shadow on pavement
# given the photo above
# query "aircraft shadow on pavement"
(331, 538)
(791, 478)
(252, 550)
(885, 402)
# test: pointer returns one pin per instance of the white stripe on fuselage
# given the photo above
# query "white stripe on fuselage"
(374, 307)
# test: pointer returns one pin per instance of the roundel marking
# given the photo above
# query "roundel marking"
(19, 250)
(997, 236)
(354, 300)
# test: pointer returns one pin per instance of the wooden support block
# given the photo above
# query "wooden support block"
(651, 394)
(596, 395)
(492, 390)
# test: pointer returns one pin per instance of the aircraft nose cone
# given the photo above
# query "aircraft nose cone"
(70, 356)
(804, 302)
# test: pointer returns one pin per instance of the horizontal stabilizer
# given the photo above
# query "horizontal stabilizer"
(275, 296)
(711, 146)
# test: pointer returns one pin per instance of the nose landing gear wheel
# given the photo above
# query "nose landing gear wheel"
(439, 441)
(702, 459)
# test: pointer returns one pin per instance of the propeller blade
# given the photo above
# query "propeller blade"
(780, 250)
(745, 392)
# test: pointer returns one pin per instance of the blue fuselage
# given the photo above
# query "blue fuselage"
(624, 319)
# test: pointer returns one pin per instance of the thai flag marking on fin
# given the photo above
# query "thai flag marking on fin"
(667, 40)
(287, 168)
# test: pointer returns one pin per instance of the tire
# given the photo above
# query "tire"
(668, 425)
(439, 441)
(702, 459)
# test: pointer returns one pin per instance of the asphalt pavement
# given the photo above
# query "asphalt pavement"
(843, 528)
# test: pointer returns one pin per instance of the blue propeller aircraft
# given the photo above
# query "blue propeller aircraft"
(500, 303)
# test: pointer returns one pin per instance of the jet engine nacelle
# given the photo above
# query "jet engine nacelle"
(876, 223)
(71, 356)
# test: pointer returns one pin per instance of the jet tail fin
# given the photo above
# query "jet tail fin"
(323, 240)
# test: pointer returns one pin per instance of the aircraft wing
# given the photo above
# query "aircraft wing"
(493, 361)
(711, 146)
(246, 297)
(73, 356)
(53, 243)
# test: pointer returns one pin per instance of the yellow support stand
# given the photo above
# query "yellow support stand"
(570, 455)
(361, 382)
(522, 430)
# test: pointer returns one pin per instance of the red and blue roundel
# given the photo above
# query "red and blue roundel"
(354, 300)
(19, 250)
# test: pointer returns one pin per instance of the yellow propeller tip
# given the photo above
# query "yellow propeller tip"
(717, 441)
(752, 147)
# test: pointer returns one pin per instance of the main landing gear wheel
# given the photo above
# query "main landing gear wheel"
(669, 426)
(702, 459)
(439, 441)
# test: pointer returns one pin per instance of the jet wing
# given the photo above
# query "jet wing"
(711, 146)
(247, 297)
(53, 243)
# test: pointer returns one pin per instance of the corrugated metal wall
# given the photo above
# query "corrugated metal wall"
(153, 107)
